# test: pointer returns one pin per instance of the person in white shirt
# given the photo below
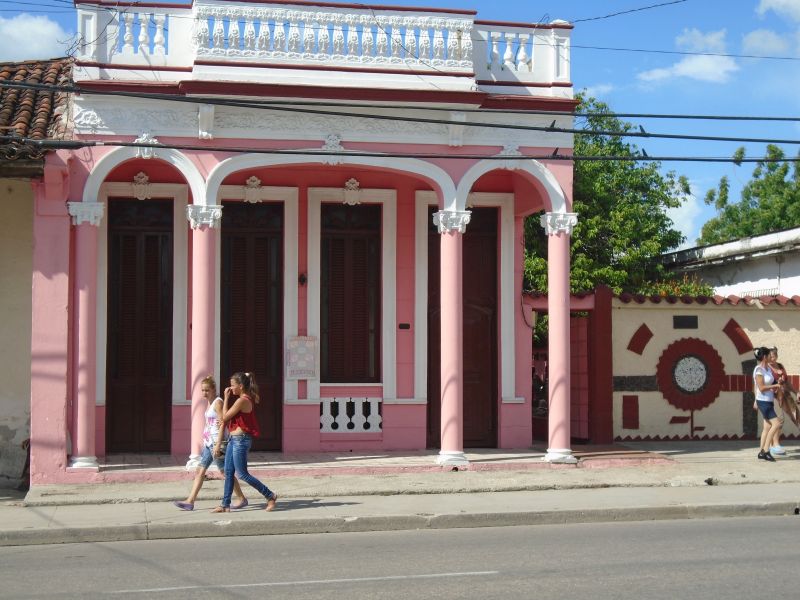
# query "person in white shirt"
(765, 387)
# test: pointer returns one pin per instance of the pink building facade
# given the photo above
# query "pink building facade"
(302, 190)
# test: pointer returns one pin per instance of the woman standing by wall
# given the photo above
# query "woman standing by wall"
(765, 387)
(240, 418)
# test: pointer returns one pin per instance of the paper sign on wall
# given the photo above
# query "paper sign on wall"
(302, 358)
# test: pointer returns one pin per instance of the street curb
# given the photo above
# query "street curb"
(231, 527)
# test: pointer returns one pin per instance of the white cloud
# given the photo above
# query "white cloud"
(713, 69)
(687, 219)
(763, 42)
(787, 8)
(27, 36)
(695, 40)
(599, 90)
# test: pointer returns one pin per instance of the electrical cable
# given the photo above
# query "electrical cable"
(79, 144)
(548, 129)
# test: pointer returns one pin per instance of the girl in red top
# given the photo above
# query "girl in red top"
(240, 418)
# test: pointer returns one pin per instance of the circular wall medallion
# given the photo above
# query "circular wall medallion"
(690, 374)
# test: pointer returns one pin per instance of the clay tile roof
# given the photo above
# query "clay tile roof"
(33, 113)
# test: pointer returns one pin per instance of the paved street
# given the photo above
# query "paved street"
(714, 558)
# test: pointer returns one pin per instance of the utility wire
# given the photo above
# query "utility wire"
(626, 12)
(79, 144)
(292, 109)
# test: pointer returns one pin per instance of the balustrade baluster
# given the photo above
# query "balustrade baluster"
(218, 42)
(453, 45)
(144, 33)
(508, 55)
(494, 55)
(382, 41)
(309, 37)
(424, 44)
(294, 37)
(522, 56)
(341, 417)
(158, 40)
(280, 37)
(326, 415)
(374, 418)
(324, 39)
(352, 37)
(367, 40)
(438, 44)
(397, 41)
(263, 36)
(233, 35)
(249, 35)
(127, 48)
(359, 419)
(466, 46)
(411, 42)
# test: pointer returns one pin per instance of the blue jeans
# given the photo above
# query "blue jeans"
(207, 457)
(236, 461)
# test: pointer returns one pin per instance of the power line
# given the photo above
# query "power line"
(293, 109)
(80, 144)
(626, 12)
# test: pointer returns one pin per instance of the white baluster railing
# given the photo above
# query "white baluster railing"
(212, 33)
(335, 36)
(350, 415)
(537, 54)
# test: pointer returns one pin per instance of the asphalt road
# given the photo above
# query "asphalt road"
(697, 559)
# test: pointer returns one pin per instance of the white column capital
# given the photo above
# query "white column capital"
(451, 221)
(555, 223)
(86, 212)
(200, 215)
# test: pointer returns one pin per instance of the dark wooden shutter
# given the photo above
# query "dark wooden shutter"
(350, 294)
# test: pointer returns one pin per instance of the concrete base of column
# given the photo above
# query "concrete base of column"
(555, 455)
(84, 462)
(451, 459)
(193, 462)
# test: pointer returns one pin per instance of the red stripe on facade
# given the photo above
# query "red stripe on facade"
(132, 67)
(601, 368)
(531, 25)
(540, 84)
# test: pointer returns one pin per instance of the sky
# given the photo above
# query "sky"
(646, 61)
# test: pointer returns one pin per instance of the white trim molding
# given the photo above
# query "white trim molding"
(388, 200)
(86, 212)
(506, 301)
(253, 192)
(555, 223)
(555, 195)
(179, 193)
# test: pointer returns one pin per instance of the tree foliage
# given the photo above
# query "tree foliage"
(622, 221)
(770, 201)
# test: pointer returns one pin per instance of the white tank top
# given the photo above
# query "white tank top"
(212, 425)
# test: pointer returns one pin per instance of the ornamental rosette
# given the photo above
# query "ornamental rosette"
(690, 374)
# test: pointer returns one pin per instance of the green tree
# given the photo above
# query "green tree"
(622, 222)
(770, 201)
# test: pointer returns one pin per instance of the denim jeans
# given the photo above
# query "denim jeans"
(236, 461)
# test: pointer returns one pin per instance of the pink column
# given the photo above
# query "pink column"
(204, 252)
(49, 337)
(559, 229)
(452, 225)
(86, 217)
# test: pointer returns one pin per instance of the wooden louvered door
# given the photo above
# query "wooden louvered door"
(480, 306)
(350, 315)
(252, 307)
(139, 352)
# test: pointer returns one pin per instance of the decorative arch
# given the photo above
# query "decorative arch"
(557, 199)
(440, 180)
(91, 190)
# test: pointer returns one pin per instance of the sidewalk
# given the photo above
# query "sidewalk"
(355, 492)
